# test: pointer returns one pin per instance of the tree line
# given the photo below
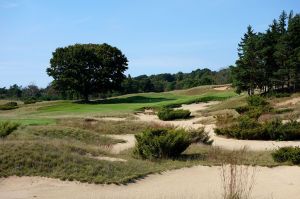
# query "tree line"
(142, 83)
(168, 82)
(270, 60)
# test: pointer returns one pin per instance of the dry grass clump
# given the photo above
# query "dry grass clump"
(237, 179)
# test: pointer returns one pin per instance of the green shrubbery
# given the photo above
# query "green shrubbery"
(7, 127)
(170, 114)
(247, 126)
(256, 100)
(277, 94)
(29, 101)
(256, 107)
(250, 129)
(166, 143)
(9, 106)
(287, 154)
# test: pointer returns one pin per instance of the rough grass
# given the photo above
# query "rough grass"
(62, 133)
(70, 163)
(108, 126)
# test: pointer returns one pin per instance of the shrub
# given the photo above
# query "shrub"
(242, 109)
(256, 100)
(9, 106)
(29, 101)
(287, 154)
(277, 94)
(248, 128)
(166, 143)
(7, 127)
(170, 114)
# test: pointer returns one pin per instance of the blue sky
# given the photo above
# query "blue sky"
(157, 36)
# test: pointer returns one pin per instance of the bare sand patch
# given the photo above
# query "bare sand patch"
(129, 143)
(197, 107)
(222, 88)
(196, 182)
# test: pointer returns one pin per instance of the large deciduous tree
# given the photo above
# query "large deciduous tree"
(87, 68)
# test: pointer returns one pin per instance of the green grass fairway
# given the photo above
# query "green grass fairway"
(47, 112)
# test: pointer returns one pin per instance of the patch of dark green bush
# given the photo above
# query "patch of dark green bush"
(29, 101)
(256, 100)
(242, 109)
(257, 105)
(277, 94)
(7, 128)
(171, 114)
(9, 106)
(287, 154)
(250, 129)
(284, 110)
(167, 143)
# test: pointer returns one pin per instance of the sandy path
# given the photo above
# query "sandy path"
(196, 182)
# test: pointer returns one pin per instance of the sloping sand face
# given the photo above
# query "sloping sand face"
(196, 182)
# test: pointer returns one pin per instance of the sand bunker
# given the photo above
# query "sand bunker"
(223, 88)
(196, 182)
(197, 107)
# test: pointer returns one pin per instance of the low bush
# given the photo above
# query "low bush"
(256, 107)
(242, 109)
(166, 143)
(170, 114)
(287, 154)
(9, 106)
(7, 127)
(277, 94)
(256, 100)
(29, 101)
(249, 129)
